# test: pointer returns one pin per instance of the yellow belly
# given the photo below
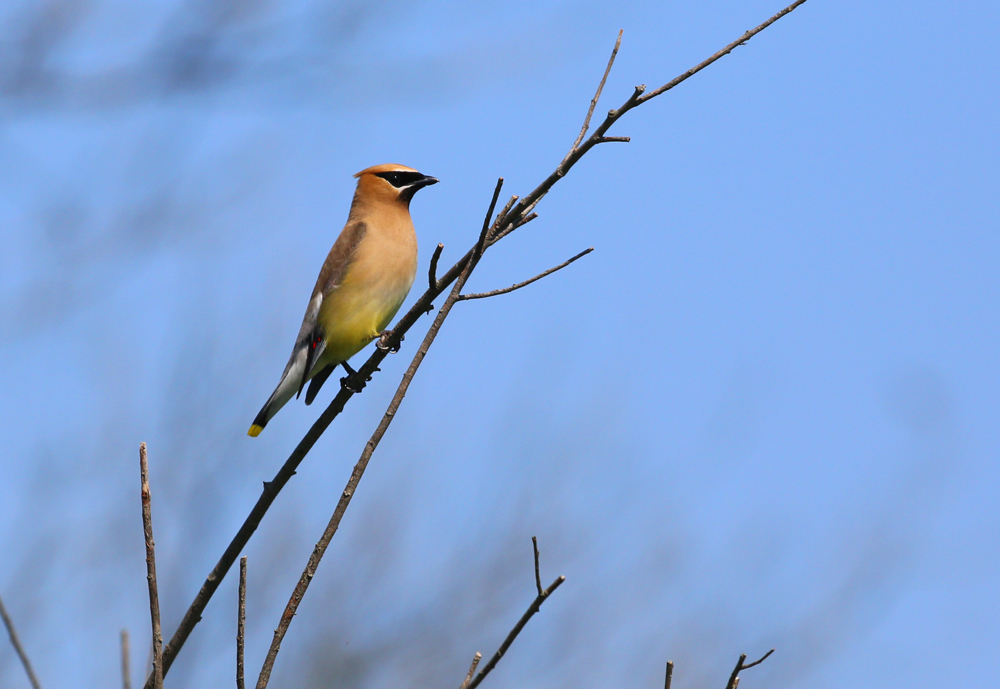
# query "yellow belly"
(361, 307)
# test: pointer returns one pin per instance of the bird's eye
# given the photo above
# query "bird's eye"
(399, 178)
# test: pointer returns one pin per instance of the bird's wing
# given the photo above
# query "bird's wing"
(317, 382)
(340, 257)
(311, 339)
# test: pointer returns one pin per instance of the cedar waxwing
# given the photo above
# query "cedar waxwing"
(363, 282)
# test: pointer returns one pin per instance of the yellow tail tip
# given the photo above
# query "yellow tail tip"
(255, 431)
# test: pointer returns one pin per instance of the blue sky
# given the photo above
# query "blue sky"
(761, 414)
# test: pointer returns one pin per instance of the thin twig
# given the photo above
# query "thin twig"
(16, 643)
(532, 609)
(760, 660)
(538, 576)
(597, 96)
(359, 469)
(670, 675)
(495, 233)
(481, 244)
(472, 669)
(511, 217)
(505, 290)
(154, 598)
(126, 670)
(432, 280)
(742, 40)
(241, 614)
(734, 679)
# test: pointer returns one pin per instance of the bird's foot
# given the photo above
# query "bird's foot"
(352, 381)
(383, 342)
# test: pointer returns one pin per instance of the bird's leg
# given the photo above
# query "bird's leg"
(350, 381)
(383, 337)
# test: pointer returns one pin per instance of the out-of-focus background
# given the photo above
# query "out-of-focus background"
(763, 413)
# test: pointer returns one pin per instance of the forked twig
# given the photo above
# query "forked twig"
(637, 98)
(154, 598)
(15, 641)
(597, 96)
(734, 679)
(529, 613)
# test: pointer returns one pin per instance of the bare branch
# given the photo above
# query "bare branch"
(241, 614)
(670, 675)
(126, 670)
(538, 576)
(637, 98)
(532, 609)
(742, 40)
(597, 96)
(432, 271)
(734, 679)
(16, 643)
(154, 598)
(472, 669)
(505, 290)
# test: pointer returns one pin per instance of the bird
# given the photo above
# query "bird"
(362, 284)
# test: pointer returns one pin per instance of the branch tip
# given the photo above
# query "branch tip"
(432, 271)
(154, 599)
(483, 234)
(472, 669)
(538, 576)
(593, 103)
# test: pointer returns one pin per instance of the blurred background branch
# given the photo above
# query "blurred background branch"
(15, 641)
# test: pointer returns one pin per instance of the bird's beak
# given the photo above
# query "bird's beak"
(425, 182)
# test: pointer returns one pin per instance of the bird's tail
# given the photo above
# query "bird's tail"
(276, 401)
(287, 388)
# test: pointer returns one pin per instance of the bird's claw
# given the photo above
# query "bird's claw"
(383, 340)
(349, 384)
